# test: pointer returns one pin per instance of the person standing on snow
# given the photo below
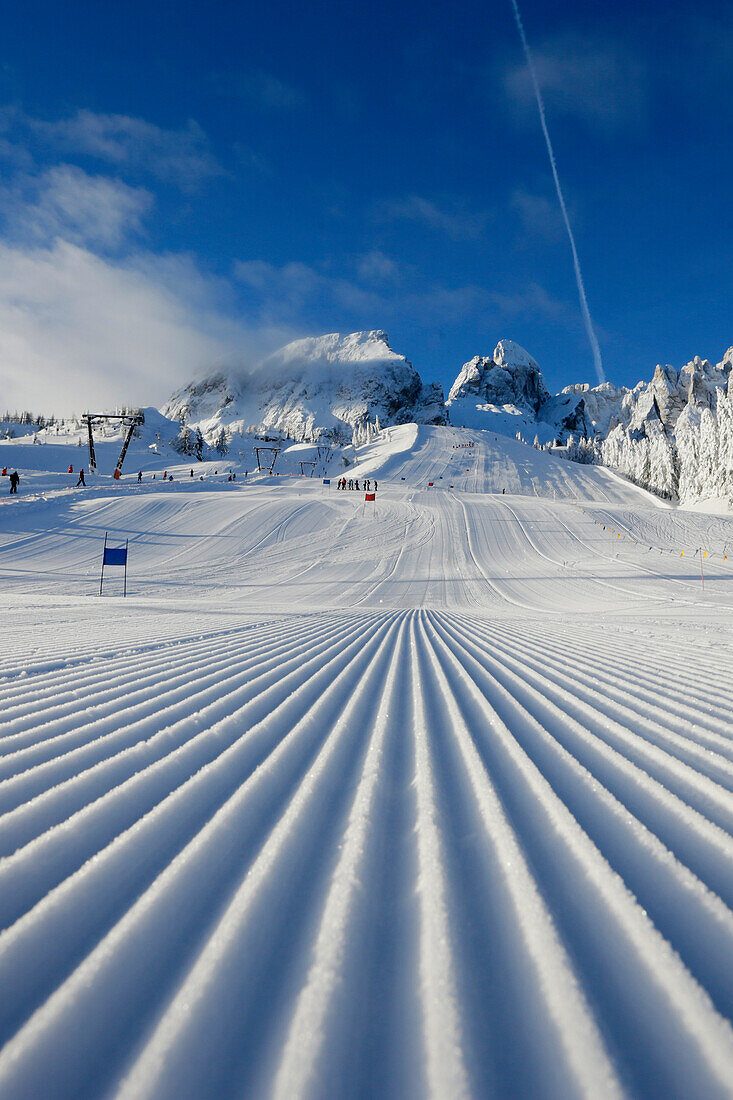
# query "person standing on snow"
(14, 479)
(139, 476)
(375, 486)
(81, 480)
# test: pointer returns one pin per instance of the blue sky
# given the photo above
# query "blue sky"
(189, 185)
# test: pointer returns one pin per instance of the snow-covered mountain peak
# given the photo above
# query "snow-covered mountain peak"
(316, 386)
(353, 347)
(509, 377)
(508, 354)
(331, 359)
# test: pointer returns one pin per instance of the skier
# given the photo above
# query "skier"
(351, 483)
(81, 480)
(191, 473)
(356, 485)
(14, 479)
(71, 469)
(139, 476)
(375, 486)
(503, 491)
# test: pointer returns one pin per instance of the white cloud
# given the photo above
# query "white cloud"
(539, 216)
(65, 201)
(532, 301)
(456, 222)
(375, 267)
(182, 156)
(600, 81)
(295, 292)
(78, 330)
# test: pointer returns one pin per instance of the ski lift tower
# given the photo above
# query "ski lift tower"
(266, 458)
(323, 455)
(303, 464)
(131, 420)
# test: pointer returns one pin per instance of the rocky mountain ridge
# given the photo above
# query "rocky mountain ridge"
(328, 387)
(316, 388)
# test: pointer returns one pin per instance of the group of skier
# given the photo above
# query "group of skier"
(353, 483)
(367, 484)
(15, 480)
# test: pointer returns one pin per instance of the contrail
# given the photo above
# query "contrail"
(576, 262)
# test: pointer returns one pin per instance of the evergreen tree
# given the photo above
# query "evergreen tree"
(198, 445)
(222, 443)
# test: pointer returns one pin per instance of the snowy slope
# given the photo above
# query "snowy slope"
(425, 798)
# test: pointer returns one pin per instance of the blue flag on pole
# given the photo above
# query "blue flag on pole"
(327, 481)
(115, 555)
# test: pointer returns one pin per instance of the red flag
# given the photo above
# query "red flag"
(370, 496)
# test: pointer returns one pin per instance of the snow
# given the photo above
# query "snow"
(673, 435)
(429, 798)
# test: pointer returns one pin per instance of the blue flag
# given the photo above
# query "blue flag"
(115, 555)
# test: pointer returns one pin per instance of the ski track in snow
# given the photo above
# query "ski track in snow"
(429, 800)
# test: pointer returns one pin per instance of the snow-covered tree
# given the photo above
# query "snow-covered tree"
(222, 443)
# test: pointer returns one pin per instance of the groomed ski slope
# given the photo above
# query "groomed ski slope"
(431, 798)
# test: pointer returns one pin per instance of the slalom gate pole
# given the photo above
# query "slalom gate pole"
(101, 575)
(702, 575)
(124, 590)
